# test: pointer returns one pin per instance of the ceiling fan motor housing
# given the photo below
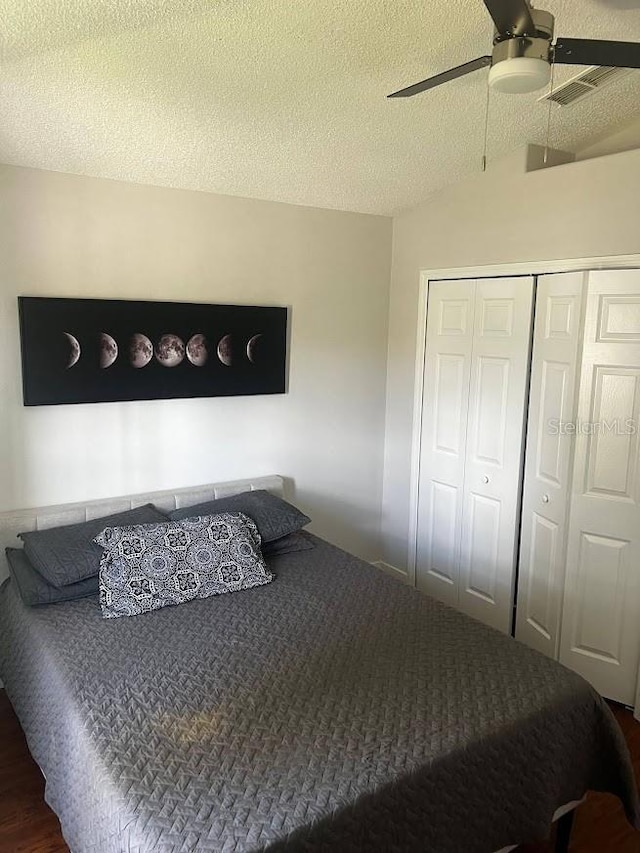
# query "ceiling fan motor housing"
(523, 63)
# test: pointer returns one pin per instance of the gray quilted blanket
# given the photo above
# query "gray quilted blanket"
(332, 710)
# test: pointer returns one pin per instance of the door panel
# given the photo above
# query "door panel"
(492, 478)
(483, 535)
(490, 421)
(549, 453)
(612, 450)
(602, 574)
(619, 319)
(497, 318)
(443, 532)
(555, 389)
(601, 614)
(451, 385)
(542, 557)
(444, 436)
(454, 313)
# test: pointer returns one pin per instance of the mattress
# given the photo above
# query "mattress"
(334, 709)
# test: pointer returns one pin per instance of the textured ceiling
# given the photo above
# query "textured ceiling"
(280, 99)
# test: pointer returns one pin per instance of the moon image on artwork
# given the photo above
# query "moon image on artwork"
(225, 350)
(254, 348)
(170, 350)
(74, 350)
(108, 350)
(197, 352)
(140, 350)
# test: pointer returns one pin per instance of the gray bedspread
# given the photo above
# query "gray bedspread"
(334, 709)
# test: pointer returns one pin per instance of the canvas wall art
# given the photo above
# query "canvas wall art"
(102, 350)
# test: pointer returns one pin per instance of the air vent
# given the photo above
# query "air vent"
(579, 87)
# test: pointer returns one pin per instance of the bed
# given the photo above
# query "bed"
(334, 709)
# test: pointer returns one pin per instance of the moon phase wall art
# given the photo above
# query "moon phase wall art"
(100, 350)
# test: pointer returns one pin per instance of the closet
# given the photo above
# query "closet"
(528, 509)
(474, 393)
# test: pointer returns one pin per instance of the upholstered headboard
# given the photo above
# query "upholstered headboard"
(21, 520)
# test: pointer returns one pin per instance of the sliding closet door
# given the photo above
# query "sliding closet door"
(495, 440)
(549, 456)
(443, 440)
(601, 615)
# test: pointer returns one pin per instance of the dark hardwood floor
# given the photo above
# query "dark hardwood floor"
(600, 825)
(27, 824)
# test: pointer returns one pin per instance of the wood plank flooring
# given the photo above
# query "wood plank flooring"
(600, 825)
(27, 824)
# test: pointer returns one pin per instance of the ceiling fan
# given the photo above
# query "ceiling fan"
(523, 52)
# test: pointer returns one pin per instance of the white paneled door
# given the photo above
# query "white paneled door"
(601, 613)
(444, 436)
(549, 456)
(474, 394)
(492, 478)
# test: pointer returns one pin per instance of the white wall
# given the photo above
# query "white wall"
(63, 235)
(583, 209)
(624, 139)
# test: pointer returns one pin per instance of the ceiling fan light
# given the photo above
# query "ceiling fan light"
(520, 75)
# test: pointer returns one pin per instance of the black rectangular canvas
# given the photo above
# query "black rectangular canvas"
(103, 350)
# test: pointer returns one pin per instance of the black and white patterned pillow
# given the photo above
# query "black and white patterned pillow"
(148, 566)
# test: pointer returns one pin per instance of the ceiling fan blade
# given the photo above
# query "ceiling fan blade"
(511, 17)
(615, 54)
(451, 74)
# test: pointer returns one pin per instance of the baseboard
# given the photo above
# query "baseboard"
(396, 573)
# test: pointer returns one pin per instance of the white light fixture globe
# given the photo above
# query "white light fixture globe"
(519, 75)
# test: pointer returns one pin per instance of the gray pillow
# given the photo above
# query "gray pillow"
(148, 566)
(66, 555)
(34, 589)
(274, 517)
(288, 545)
